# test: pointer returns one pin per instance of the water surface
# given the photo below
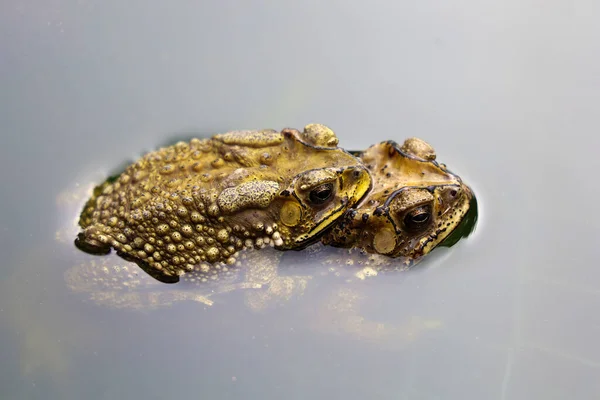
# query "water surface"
(506, 92)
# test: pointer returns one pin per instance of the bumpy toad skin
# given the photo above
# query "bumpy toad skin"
(414, 204)
(199, 203)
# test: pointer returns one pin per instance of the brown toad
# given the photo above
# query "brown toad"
(200, 203)
(414, 205)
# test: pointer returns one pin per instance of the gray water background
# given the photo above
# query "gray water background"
(507, 92)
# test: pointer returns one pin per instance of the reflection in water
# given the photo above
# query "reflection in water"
(120, 284)
(326, 290)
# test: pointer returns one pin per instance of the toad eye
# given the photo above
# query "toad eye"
(417, 219)
(321, 193)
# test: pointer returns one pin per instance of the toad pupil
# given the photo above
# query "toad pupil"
(417, 219)
(321, 194)
(420, 218)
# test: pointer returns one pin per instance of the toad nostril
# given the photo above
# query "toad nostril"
(356, 173)
(453, 193)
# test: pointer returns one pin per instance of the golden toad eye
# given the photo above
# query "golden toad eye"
(321, 193)
(417, 219)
